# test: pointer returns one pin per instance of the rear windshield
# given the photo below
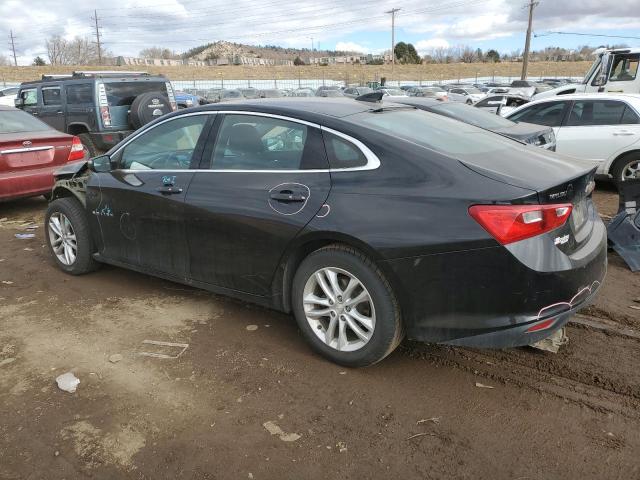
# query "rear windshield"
(436, 132)
(19, 121)
(473, 115)
(123, 93)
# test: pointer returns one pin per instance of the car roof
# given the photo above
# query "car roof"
(304, 108)
(635, 97)
(7, 107)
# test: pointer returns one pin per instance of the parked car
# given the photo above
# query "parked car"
(231, 94)
(353, 92)
(392, 92)
(100, 107)
(188, 100)
(30, 151)
(536, 135)
(525, 84)
(329, 93)
(468, 95)
(601, 128)
(8, 96)
(251, 93)
(303, 92)
(429, 92)
(327, 208)
(270, 93)
(503, 103)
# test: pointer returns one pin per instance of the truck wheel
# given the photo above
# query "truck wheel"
(68, 236)
(90, 149)
(345, 307)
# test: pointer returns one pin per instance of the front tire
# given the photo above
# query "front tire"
(345, 307)
(68, 236)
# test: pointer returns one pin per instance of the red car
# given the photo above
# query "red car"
(30, 151)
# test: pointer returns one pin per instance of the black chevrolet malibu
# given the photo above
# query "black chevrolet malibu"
(368, 222)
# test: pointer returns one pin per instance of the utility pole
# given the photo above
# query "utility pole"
(97, 34)
(527, 45)
(12, 43)
(311, 45)
(393, 12)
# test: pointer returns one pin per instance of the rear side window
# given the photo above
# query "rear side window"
(168, 146)
(79, 94)
(342, 153)
(51, 96)
(596, 112)
(629, 117)
(29, 97)
(548, 114)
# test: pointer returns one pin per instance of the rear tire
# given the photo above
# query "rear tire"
(626, 166)
(68, 236)
(89, 147)
(362, 333)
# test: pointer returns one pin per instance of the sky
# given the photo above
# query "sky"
(128, 26)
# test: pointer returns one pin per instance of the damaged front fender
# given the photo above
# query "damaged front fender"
(71, 180)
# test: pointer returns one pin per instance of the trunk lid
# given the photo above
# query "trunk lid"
(33, 150)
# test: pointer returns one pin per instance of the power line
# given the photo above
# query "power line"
(527, 44)
(12, 43)
(546, 34)
(393, 12)
(97, 34)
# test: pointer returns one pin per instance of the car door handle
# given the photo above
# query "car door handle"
(288, 196)
(623, 134)
(169, 190)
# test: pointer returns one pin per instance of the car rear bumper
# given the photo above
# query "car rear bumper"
(28, 183)
(106, 140)
(488, 297)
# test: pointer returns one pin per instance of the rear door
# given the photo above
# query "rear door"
(138, 207)
(80, 103)
(52, 110)
(597, 129)
(263, 178)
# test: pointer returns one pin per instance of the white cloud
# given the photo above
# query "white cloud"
(424, 46)
(350, 47)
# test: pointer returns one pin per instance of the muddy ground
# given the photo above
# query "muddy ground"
(418, 414)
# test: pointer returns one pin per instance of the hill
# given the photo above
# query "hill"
(222, 49)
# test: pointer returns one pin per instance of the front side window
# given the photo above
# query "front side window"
(624, 69)
(596, 112)
(169, 146)
(549, 114)
(251, 142)
(51, 96)
(29, 97)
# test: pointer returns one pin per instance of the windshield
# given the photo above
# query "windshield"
(396, 92)
(364, 90)
(473, 115)
(232, 94)
(18, 121)
(436, 132)
(123, 93)
(594, 67)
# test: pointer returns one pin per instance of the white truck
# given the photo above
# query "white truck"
(613, 71)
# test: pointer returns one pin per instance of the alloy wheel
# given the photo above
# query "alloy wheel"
(631, 170)
(63, 238)
(339, 309)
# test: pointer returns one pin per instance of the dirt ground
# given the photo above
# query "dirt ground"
(418, 414)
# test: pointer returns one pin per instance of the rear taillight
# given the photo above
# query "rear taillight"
(77, 150)
(511, 223)
(103, 101)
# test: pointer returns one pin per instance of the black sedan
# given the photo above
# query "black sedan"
(540, 136)
(367, 221)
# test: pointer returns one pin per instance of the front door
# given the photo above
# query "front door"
(262, 180)
(139, 206)
(52, 110)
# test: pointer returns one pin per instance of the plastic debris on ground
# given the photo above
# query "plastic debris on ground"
(68, 382)
(553, 342)
(24, 236)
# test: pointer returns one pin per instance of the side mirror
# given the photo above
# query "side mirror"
(100, 164)
(19, 102)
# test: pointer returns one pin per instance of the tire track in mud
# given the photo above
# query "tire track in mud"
(597, 369)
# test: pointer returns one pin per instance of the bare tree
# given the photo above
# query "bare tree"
(79, 51)
(4, 61)
(468, 55)
(438, 54)
(158, 52)
(56, 50)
